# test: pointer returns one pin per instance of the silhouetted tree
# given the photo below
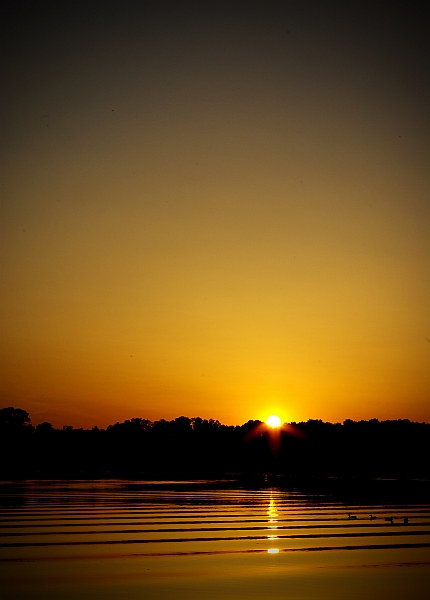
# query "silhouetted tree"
(12, 419)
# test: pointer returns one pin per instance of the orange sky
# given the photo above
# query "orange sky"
(224, 212)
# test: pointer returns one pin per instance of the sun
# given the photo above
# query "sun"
(273, 421)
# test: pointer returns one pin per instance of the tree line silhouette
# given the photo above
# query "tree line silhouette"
(196, 448)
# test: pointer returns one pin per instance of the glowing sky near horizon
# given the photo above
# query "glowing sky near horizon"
(217, 210)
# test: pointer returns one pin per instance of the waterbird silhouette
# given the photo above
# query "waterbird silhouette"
(390, 519)
(406, 520)
(350, 516)
(372, 517)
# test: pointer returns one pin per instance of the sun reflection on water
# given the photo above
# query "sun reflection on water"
(272, 517)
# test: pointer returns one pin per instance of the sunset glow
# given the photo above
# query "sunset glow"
(215, 209)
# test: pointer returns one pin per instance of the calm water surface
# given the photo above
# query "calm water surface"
(114, 540)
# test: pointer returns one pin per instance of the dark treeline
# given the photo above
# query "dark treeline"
(199, 448)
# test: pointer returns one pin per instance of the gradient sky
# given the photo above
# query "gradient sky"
(215, 209)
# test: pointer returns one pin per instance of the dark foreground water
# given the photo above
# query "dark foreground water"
(116, 540)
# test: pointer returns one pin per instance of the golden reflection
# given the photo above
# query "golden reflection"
(272, 511)
(272, 518)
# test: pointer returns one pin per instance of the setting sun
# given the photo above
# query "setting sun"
(273, 421)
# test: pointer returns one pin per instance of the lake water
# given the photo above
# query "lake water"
(118, 540)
